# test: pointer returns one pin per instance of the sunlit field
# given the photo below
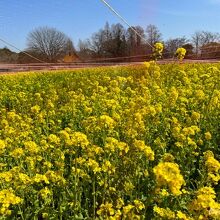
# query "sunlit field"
(111, 143)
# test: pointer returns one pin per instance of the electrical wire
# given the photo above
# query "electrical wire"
(122, 19)
(9, 44)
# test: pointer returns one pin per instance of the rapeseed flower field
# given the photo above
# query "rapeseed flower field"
(111, 143)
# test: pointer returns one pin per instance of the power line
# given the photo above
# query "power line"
(122, 19)
(9, 44)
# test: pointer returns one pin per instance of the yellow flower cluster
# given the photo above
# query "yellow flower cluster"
(8, 198)
(213, 166)
(158, 50)
(168, 174)
(205, 201)
(164, 213)
(2, 146)
(180, 53)
(137, 142)
(140, 145)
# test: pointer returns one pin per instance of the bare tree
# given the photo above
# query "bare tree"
(196, 41)
(135, 43)
(118, 40)
(69, 48)
(97, 41)
(49, 43)
(201, 38)
(171, 45)
(209, 37)
(84, 49)
(153, 34)
(101, 42)
(109, 42)
(189, 49)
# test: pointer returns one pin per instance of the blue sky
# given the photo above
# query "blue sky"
(81, 18)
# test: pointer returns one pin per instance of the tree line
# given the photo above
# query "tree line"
(116, 41)
(111, 41)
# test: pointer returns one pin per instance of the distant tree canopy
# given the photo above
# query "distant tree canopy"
(135, 42)
(111, 41)
(201, 38)
(117, 41)
(7, 56)
(172, 45)
(153, 34)
(49, 44)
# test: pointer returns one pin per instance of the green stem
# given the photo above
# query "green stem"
(61, 215)
(75, 193)
(22, 217)
(94, 198)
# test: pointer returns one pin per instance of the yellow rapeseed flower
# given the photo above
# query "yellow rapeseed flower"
(2, 146)
(180, 53)
(168, 174)
(106, 210)
(208, 136)
(165, 213)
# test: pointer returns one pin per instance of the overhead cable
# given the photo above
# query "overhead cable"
(122, 19)
(9, 44)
